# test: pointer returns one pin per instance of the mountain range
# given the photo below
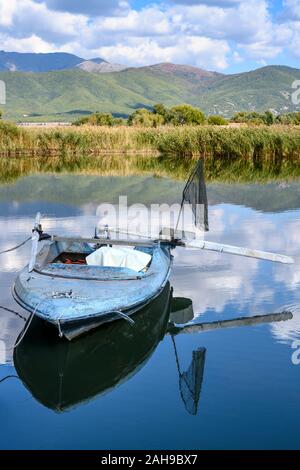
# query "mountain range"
(62, 87)
(32, 62)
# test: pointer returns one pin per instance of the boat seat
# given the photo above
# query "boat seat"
(121, 257)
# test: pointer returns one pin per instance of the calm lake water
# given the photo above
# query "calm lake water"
(123, 388)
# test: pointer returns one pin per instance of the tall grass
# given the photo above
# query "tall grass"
(86, 139)
(261, 152)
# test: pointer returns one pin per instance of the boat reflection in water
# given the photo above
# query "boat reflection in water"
(61, 374)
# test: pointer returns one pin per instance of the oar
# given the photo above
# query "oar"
(218, 247)
(35, 242)
(172, 236)
(233, 323)
(235, 250)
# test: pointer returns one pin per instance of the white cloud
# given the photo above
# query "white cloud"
(210, 34)
(6, 12)
(290, 20)
(260, 51)
(25, 18)
(295, 45)
(246, 23)
(29, 44)
(200, 51)
(148, 22)
(219, 3)
(291, 10)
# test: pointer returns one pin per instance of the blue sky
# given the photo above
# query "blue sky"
(223, 35)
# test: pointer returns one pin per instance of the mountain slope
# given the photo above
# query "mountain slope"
(102, 67)
(192, 74)
(265, 88)
(68, 94)
(65, 95)
(15, 61)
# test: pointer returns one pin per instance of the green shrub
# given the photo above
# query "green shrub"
(161, 110)
(252, 117)
(145, 118)
(216, 120)
(289, 119)
(184, 114)
(248, 117)
(9, 130)
(97, 119)
(119, 122)
(269, 118)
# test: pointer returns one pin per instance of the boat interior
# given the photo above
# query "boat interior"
(81, 257)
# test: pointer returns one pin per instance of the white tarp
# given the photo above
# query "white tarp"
(119, 258)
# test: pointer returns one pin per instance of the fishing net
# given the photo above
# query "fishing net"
(195, 195)
(191, 381)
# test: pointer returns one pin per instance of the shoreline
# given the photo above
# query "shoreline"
(91, 153)
(230, 154)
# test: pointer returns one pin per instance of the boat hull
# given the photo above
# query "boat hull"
(78, 300)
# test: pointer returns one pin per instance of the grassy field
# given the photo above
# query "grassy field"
(229, 153)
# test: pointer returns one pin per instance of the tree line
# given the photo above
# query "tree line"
(268, 118)
(185, 114)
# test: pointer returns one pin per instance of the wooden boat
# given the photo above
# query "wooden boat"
(63, 287)
(78, 297)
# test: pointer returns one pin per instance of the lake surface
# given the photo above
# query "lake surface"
(124, 389)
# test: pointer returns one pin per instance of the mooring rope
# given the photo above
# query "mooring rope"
(16, 247)
(23, 333)
(27, 325)
(8, 377)
(26, 328)
(14, 312)
(124, 316)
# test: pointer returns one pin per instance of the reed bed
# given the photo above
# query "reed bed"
(229, 153)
